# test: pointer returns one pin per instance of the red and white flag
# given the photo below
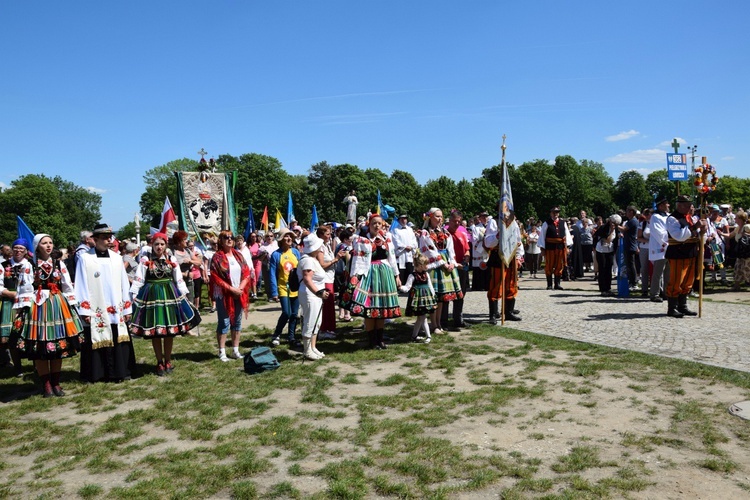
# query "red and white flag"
(168, 218)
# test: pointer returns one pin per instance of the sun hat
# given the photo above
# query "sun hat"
(282, 232)
(311, 243)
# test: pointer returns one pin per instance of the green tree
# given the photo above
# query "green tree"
(733, 190)
(160, 183)
(330, 184)
(596, 190)
(536, 188)
(53, 206)
(440, 193)
(404, 193)
(631, 189)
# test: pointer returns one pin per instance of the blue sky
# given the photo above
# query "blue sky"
(100, 92)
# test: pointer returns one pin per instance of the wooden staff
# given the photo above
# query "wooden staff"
(502, 285)
(701, 255)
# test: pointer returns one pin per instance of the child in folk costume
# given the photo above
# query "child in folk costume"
(422, 299)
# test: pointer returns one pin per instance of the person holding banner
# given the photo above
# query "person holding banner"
(503, 279)
(684, 239)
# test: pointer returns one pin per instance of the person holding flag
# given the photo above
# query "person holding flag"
(502, 239)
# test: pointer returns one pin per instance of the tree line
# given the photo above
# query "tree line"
(62, 209)
(537, 185)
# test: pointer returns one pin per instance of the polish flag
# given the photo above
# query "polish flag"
(168, 217)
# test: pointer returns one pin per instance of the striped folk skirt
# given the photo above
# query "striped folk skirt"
(421, 300)
(7, 314)
(447, 285)
(372, 295)
(160, 311)
(50, 330)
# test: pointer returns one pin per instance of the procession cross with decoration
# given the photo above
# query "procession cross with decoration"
(702, 183)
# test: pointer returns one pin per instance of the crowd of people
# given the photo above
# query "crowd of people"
(91, 300)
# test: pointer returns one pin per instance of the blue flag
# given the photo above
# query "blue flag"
(314, 219)
(250, 226)
(384, 210)
(24, 232)
(290, 209)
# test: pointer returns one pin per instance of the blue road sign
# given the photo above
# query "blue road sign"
(677, 166)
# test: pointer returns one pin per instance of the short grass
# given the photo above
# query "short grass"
(403, 423)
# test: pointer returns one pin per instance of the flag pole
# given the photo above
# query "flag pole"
(502, 221)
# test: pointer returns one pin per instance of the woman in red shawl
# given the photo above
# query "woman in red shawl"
(230, 286)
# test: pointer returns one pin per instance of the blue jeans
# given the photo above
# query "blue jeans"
(289, 310)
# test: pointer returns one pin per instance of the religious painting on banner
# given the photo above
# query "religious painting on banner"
(205, 200)
(508, 243)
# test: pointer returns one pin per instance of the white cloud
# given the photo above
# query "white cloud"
(668, 144)
(622, 136)
(95, 190)
(725, 158)
(3, 186)
(640, 156)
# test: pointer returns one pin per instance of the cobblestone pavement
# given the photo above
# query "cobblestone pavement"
(721, 337)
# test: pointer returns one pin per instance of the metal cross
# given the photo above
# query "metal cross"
(503, 148)
(203, 153)
(675, 145)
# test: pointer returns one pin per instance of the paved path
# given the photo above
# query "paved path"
(721, 337)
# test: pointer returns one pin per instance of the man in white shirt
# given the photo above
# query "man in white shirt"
(405, 242)
(657, 249)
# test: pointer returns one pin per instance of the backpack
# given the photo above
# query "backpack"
(743, 247)
(293, 281)
(260, 359)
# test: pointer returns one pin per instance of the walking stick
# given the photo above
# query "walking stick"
(502, 289)
(701, 255)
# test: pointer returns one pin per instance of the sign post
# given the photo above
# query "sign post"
(677, 166)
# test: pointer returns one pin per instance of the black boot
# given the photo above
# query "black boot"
(510, 312)
(374, 339)
(46, 386)
(458, 314)
(379, 336)
(557, 283)
(682, 306)
(672, 308)
(549, 282)
(493, 312)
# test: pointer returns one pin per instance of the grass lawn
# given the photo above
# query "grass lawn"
(485, 412)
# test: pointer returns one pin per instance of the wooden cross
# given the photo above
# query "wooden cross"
(675, 145)
(203, 153)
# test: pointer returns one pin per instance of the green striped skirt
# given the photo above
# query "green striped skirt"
(372, 295)
(160, 311)
(6, 321)
(52, 330)
(446, 284)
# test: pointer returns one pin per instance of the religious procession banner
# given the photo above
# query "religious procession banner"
(206, 202)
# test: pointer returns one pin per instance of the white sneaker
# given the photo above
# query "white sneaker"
(223, 358)
(275, 342)
(319, 353)
(427, 340)
(236, 355)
